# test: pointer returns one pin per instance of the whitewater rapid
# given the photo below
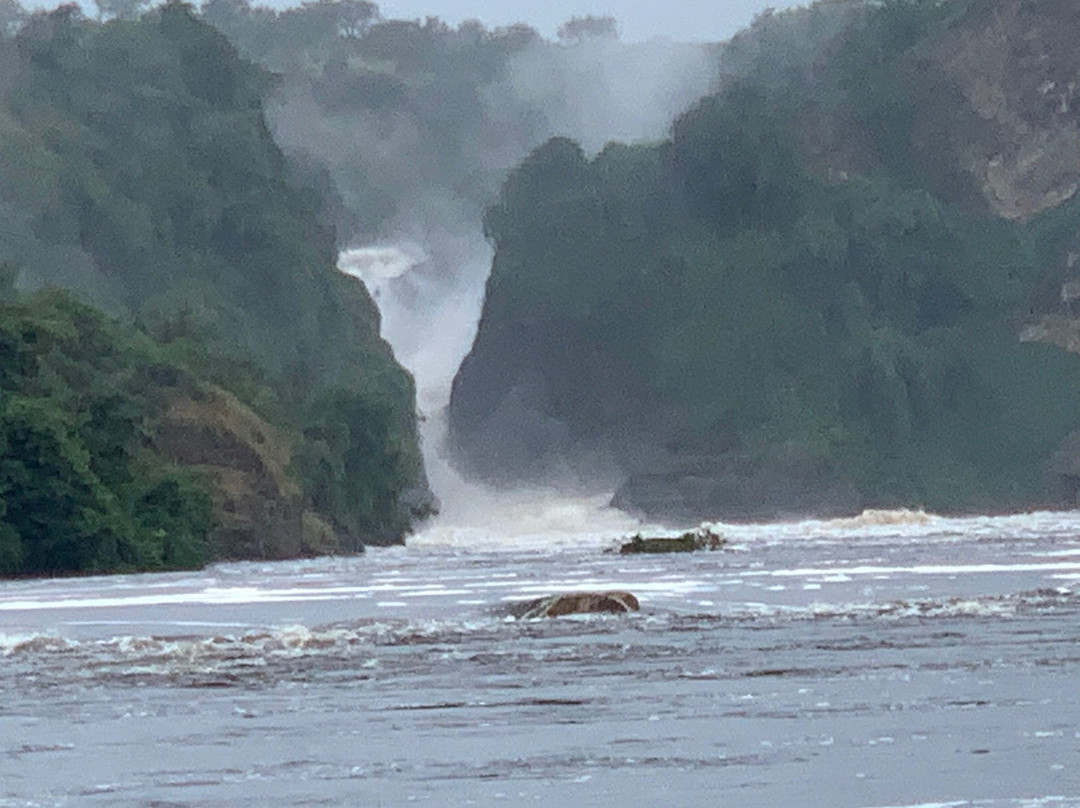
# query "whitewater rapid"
(550, 545)
(896, 659)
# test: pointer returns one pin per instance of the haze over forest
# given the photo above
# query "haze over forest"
(637, 21)
(820, 267)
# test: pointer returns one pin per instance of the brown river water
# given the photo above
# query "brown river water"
(890, 660)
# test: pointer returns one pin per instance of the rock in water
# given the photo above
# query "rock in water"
(576, 603)
(700, 539)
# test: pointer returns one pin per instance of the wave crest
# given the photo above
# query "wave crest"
(874, 517)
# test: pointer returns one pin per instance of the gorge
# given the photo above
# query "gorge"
(809, 299)
(835, 281)
(827, 265)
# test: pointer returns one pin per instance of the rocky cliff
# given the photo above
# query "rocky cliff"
(1017, 67)
(810, 300)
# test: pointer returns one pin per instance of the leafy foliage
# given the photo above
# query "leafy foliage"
(80, 490)
(137, 170)
(723, 295)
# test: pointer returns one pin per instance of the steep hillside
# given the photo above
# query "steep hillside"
(79, 487)
(810, 298)
(137, 170)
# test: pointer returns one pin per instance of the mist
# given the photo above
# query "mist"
(426, 262)
(639, 22)
(601, 90)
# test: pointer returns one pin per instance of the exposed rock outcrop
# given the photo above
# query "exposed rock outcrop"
(258, 505)
(614, 602)
(700, 539)
(1017, 65)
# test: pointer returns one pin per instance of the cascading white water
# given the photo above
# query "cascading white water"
(429, 314)
(428, 269)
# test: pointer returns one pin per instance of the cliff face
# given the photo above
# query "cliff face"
(808, 300)
(1017, 66)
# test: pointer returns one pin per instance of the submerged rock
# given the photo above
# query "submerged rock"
(615, 602)
(700, 539)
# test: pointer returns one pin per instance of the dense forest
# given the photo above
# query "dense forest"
(808, 299)
(192, 175)
(822, 267)
(416, 123)
(410, 126)
(137, 170)
(80, 490)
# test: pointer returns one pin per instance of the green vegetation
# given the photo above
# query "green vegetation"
(393, 110)
(802, 316)
(79, 487)
(137, 171)
(801, 299)
(411, 125)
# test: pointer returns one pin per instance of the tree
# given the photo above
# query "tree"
(226, 15)
(355, 17)
(11, 17)
(578, 29)
(121, 9)
(318, 22)
(735, 159)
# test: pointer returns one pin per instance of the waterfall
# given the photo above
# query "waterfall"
(429, 295)
(427, 268)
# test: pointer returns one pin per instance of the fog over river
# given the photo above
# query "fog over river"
(894, 660)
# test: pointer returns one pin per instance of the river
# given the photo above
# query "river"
(891, 660)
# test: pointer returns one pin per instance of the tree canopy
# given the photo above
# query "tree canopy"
(137, 170)
(79, 490)
(785, 318)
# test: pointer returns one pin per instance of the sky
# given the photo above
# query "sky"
(639, 20)
(688, 20)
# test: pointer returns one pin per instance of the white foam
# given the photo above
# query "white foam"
(381, 262)
(842, 573)
(873, 517)
(538, 518)
(227, 596)
(907, 524)
(12, 643)
(951, 804)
